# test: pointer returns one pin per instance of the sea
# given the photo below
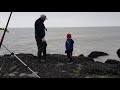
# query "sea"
(87, 39)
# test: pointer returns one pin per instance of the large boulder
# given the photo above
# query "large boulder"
(96, 54)
(112, 61)
(118, 52)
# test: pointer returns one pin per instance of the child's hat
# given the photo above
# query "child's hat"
(69, 35)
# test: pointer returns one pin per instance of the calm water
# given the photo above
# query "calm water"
(87, 39)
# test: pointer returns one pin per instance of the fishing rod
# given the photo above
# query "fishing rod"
(12, 52)
(21, 61)
(5, 30)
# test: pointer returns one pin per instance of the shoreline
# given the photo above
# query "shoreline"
(56, 67)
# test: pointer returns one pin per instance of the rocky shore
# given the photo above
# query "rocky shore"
(56, 67)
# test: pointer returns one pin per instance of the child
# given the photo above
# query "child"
(69, 48)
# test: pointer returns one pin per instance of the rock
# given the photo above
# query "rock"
(82, 58)
(81, 55)
(11, 75)
(90, 59)
(6, 55)
(56, 67)
(22, 74)
(118, 52)
(112, 61)
(96, 54)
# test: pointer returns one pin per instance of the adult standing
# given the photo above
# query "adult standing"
(40, 37)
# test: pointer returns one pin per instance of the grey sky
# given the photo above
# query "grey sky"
(62, 19)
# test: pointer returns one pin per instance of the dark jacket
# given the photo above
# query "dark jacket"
(69, 44)
(39, 28)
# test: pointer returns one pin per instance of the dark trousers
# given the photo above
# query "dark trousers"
(41, 48)
(69, 54)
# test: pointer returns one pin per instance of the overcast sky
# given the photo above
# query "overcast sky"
(62, 19)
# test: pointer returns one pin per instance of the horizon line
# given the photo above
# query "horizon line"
(65, 27)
